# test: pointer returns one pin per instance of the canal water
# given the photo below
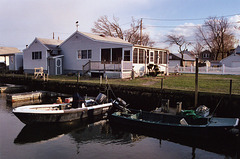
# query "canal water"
(97, 139)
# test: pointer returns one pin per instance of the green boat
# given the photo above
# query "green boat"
(180, 124)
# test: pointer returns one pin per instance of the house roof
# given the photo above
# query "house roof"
(233, 56)
(100, 38)
(186, 57)
(51, 44)
(9, 50)
(105, 38)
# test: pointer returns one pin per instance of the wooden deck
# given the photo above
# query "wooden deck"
(26, 96)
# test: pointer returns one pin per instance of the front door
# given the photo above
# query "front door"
(58, 66)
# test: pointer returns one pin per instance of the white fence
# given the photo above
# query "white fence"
(206, 70)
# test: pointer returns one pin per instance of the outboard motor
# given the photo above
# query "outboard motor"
(202, 111)
(120, 104)
(101, 98)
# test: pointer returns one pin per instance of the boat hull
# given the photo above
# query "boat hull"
(59, 116)
(204, 131)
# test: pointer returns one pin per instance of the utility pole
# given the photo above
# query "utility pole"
(196, 83)
(141, 32)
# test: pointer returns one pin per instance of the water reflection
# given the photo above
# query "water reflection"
(99, 130)
(226, 146)
(43, 132)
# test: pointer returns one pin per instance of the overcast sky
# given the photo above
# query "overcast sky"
(23, 20)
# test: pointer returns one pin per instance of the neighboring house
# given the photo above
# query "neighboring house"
(190, 53)
(205, 56)
(12, 57)
(87, 53)
(175, 60)
(43, 53)
(231, 61)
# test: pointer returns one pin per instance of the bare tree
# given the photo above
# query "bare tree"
(216, 35)
(197, 49)
(180, 41)
(105, 27)
(108, 28)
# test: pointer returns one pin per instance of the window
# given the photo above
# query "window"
(127, 55)
(156, 57)
(151, 56)
(89, 54)
(141, 56)
(105, 55)
(84, 54)
(206, 55)
(116, 55)
(37, 55)
(165, 58)
(161, 57)
(79, 55)
(135, 55)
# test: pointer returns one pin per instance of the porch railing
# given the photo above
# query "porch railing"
(110, 66)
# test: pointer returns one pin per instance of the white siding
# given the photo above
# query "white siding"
(28, 62)
(174, 62)
(79, 42)
(231, 61)
(15, 61)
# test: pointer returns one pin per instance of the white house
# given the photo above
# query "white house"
(43, 53)
(95, 54)
(87, 53)
(231, 61)
(12, 57)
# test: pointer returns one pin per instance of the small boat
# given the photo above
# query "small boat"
(63, 112)
(175, 124)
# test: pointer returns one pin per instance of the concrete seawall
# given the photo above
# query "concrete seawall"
(138, 97)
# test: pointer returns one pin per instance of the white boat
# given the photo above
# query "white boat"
(55, 113)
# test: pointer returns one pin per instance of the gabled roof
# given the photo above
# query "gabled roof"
(9, 50)
(51, 44)
(186, 57)
(101, 38)
(105, 38)
(233, 56)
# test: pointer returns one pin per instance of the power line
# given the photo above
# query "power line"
(171, 26)
(187, 19)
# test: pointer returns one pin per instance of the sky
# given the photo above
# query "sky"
(23, 20)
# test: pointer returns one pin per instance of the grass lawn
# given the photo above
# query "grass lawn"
(207, 83)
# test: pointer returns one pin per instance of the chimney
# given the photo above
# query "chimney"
(26, 46)
(53, 35)
(58, 38)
